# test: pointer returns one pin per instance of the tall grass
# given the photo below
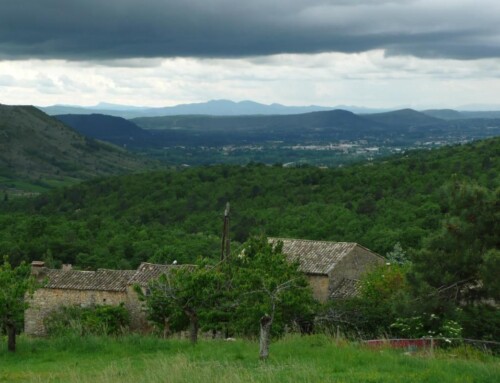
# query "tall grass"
(293, 359)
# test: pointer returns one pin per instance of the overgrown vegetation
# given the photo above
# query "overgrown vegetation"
(450, 287)
(79, 321)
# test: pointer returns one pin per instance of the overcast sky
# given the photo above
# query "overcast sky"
(375, 53)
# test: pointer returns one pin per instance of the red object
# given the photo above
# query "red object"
(399, 343)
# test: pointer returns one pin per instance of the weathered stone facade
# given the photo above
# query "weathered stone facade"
(333, 269)
(45, 301)
(319, 285)
(352, 266)
(68, 287)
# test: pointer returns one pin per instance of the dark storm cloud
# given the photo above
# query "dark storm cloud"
(121, 29)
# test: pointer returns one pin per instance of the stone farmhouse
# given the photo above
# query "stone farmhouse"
(67, 287)
(332, 268)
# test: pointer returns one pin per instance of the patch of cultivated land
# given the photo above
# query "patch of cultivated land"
(294, 359)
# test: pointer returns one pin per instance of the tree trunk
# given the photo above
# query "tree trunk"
(265, 336)
(11, 335)
(193, 327)
(166, 328)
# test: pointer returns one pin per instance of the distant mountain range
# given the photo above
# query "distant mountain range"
(43, 151)
(212, 108)
(402, 127)
(37, 149)
(231, 108)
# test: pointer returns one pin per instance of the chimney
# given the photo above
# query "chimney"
(67, 267)
(37, 268)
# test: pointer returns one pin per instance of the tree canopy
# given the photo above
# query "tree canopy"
(234, 295)
(15, 283)
(172, 215)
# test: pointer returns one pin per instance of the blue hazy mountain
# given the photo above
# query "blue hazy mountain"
(213, 108)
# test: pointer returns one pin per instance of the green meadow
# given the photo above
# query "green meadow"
(293, 359)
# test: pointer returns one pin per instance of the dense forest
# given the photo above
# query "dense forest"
(118, 222)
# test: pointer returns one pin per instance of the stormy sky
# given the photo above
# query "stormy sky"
(377, 53)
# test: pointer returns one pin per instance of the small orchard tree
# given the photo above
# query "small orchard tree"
(183, 298)
(268, 292)
(257, 291)
(15, 283)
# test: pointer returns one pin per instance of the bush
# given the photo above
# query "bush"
(427, 326)
(481, 321)
(381, 293)
(97, 320)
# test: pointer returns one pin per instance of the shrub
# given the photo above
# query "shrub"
(97, 320)
(427, 326)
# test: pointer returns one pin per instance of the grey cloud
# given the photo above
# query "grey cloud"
(97, 30)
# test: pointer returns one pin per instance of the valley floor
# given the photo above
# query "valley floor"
(293, 359)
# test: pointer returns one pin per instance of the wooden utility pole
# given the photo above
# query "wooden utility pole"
(226, 242)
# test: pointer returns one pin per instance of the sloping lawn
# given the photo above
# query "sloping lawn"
(294, 359)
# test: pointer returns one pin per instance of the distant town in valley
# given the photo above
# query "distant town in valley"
(214, 132)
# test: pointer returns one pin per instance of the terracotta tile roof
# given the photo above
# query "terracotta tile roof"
(348, 288)
(149, 271)
(100, 280)
(106, 280)
(315, 257)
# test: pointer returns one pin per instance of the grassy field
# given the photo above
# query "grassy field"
(294, 359)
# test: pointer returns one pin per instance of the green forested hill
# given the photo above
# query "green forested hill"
(37, 150)
(162, 216)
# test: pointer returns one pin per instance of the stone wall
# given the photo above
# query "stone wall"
(138, 321)
(358, 262)
(44, 301)
(320, 286)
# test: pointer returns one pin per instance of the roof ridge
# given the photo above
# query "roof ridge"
(313, 240)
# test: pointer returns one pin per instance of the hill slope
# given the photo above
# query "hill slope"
(314, 126)
(444, 114)
(119, 222)
(403, 118)
(108, 128)
(38, 148)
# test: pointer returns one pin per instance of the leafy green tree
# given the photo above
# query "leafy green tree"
(268, 292)
(397, 255)
(183, 298)
(465, 251)
(15, 283)
(455, 276)
(382, 293)
(256, 291)
(489, 271)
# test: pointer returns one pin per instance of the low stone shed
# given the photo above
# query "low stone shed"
(333, 269)
(67, 287)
